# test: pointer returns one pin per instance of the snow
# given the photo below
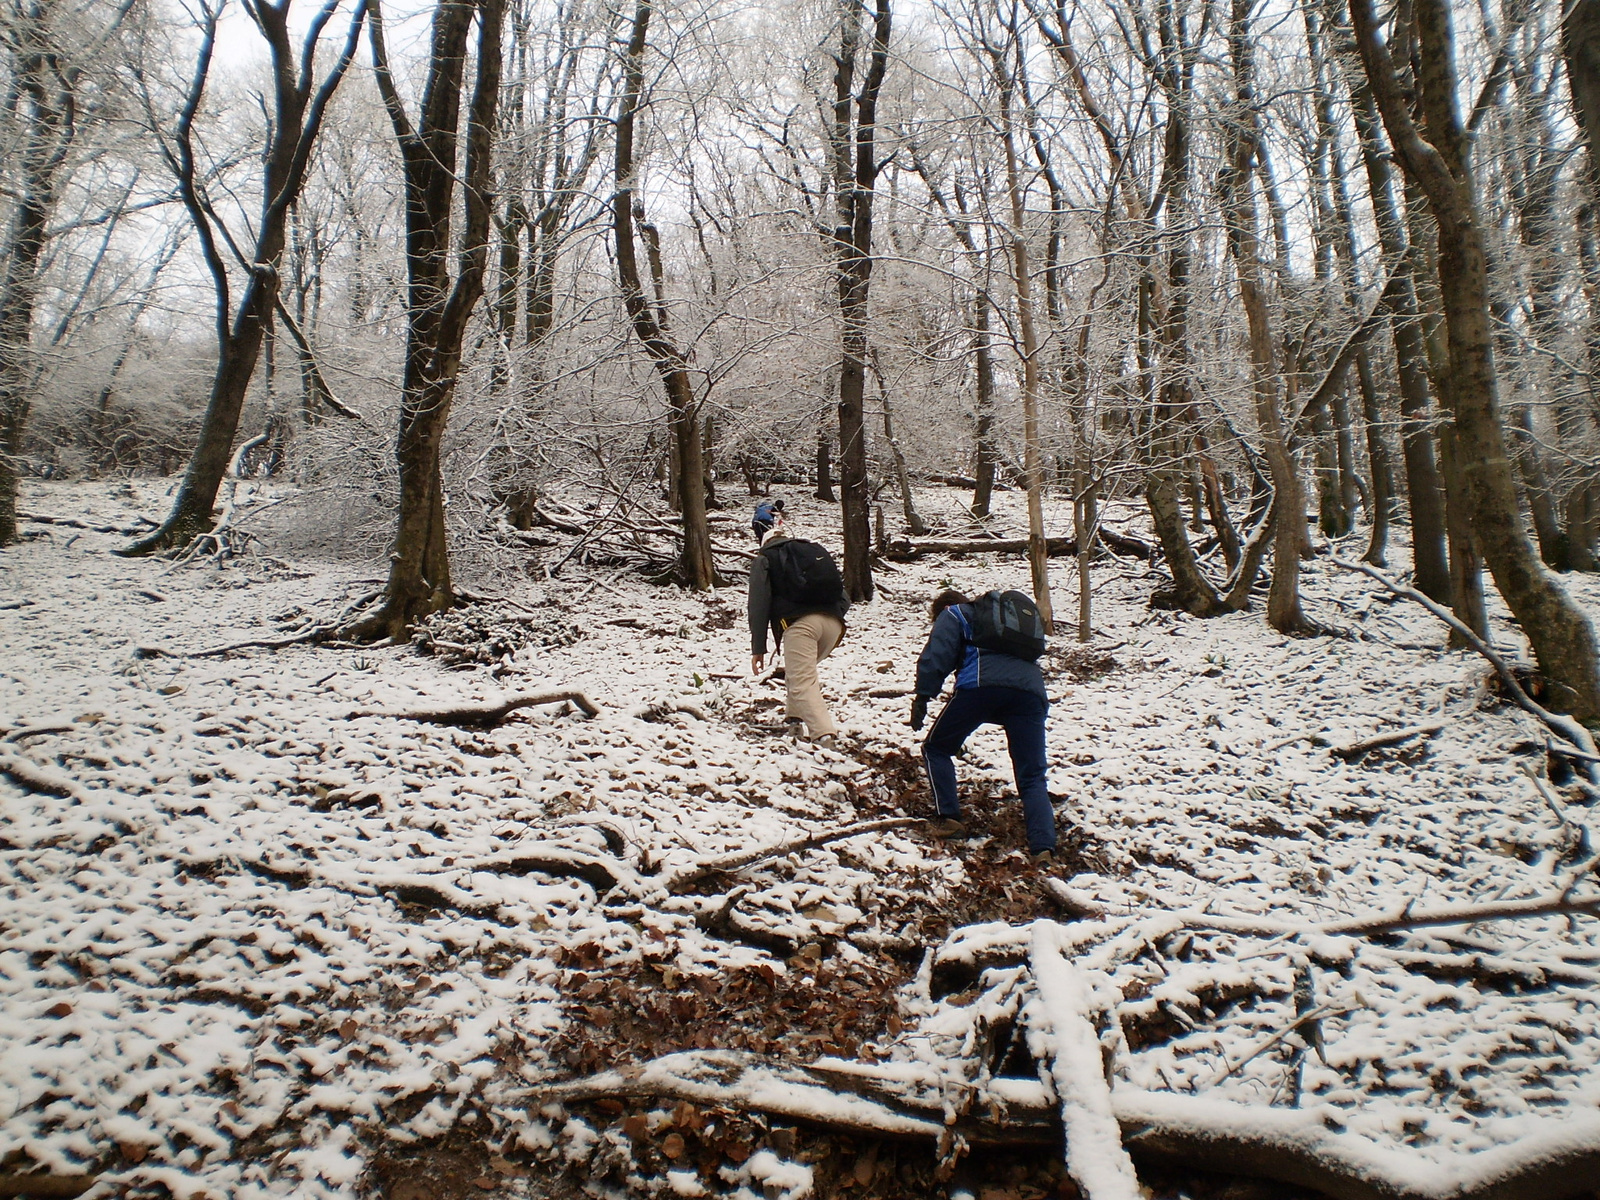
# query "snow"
(230, 911)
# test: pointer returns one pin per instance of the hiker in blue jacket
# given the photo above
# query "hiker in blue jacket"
(992, 688)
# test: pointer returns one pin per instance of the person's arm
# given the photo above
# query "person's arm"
(760, 609)
(940, 656)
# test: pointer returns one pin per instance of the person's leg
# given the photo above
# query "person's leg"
(804, 642)
(954, 724)
(1023, 720)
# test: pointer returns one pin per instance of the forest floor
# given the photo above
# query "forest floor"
(261, 936)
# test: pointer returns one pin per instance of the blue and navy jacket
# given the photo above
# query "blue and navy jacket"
(950, 648)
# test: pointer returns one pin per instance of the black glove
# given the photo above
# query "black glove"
(919, 712)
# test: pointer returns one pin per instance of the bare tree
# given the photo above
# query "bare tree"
(1435, 154)
(439, 175)
(853, 153)
(649, 316)
(299, 104)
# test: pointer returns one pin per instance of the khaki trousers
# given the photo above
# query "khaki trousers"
(806, 642)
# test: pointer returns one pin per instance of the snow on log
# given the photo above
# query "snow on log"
(487, 716)
(1298, 1146)
(1062, 1036)
(906, 550)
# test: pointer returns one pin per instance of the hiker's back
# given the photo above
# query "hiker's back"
(803, 578)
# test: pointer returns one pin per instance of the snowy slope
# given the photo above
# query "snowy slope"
(244, 935)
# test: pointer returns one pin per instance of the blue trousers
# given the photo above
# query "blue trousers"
(1021, 714)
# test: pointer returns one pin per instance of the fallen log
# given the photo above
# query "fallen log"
(485, 716)
(1293, 1146)
(906, 550)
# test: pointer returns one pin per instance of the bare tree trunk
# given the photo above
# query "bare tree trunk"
(855, 167)
(1283, 601)
(44, 105)
(438, 307)
(1580, 43)
(1562, 638)
(824, 466)
(650, 323)
(1378, 455)
(1022, 283)
(1170, 401)
(298, 116)
(983, 427)
(1424, 488)
(914, 523)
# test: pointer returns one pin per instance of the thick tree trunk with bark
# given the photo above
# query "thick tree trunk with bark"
(1437, 158)
(824, 467)
(297, 119)
(1171, 400)
(438, 307)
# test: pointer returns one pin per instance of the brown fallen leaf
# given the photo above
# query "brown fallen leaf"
(673, 1146)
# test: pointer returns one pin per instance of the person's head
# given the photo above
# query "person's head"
(775, 531)
(943, 601)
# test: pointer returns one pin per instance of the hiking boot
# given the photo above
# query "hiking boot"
(827, 741)
(1044, 859)
(945, 827)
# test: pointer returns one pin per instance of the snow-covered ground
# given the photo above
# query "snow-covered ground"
(246, 937)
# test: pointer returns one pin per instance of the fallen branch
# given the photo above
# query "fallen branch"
(49, 1186)
(140, 524)
(486, 716)
(1563, 726)
(1555, 903)
(1356, 750)
(694, 872)
(36, 779)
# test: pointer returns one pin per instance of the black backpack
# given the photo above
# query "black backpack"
(804, 575)
(1008, 622)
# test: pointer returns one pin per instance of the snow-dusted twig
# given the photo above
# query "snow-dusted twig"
(1267, 1044)
(1554, 903)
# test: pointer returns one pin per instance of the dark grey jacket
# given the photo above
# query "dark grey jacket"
(769, 612)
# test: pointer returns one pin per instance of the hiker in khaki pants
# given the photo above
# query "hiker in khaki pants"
(796, 593)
